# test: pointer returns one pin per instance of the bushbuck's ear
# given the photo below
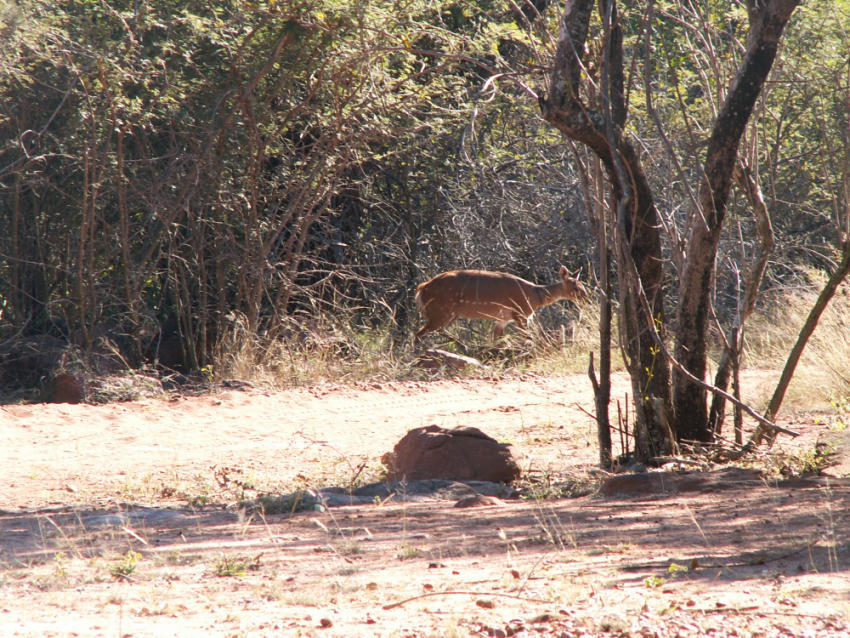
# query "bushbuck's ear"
(564, 272)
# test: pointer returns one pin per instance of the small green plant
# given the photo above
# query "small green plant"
(548, 486)
(654, 582)
(199, 500)
(408, 551)
(125, 567)
(350, 548)
(842, 413)
(675, 569)
(60, 565)
(301, 500)
(236, 565)
(801, 463)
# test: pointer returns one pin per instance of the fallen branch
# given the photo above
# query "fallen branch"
(759, 559)
(825, 296)
(466, 593)
(759, 609)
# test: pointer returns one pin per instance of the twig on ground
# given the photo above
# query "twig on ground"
(466, 593)
(678, 459)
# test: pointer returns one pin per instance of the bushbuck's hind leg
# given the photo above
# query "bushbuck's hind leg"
(432, 325)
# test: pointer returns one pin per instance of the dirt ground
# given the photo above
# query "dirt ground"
(122, 520)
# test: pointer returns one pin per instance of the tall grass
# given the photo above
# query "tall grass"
(823, 374)
(561, 343)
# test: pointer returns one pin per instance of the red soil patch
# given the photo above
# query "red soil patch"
(723, 554)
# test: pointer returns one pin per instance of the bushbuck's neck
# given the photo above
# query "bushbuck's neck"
(550, 293)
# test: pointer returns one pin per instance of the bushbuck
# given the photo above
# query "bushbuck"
(480, 294)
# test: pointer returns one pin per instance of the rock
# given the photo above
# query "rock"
(26, 361)
(460, 454)
(60, 371)
(478, 500)
(67, 388)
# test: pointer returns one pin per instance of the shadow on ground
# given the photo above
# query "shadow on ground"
(726, 524)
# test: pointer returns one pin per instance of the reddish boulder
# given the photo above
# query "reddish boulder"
(435, 359)
(459, 454)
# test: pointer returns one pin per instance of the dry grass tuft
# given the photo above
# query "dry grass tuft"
(310, 350)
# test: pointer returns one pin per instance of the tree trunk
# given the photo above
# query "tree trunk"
(637, 236)
(767, 21)
(594, 193)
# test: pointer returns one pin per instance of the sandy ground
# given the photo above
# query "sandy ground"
(121, 520)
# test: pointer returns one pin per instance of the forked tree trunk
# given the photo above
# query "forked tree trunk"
(767, 21)
(638, 242)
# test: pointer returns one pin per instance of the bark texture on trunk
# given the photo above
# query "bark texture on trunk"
(767, 21)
